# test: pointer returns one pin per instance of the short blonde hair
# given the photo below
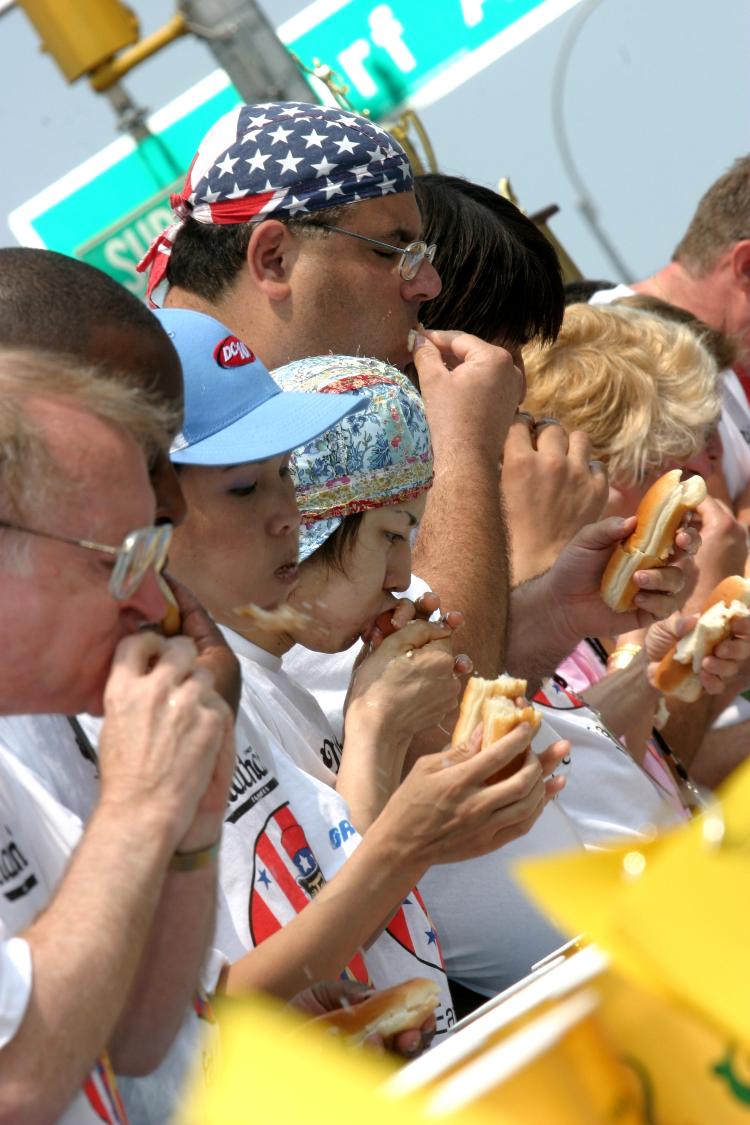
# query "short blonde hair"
(30, 479)
(644, 389)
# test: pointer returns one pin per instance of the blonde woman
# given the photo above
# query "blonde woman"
(647, 392)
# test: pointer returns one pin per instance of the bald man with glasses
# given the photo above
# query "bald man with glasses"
(82, 911)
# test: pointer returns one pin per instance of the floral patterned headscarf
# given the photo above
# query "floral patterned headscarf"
(379, 456)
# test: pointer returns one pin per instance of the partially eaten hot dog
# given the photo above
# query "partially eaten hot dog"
(389, 1012)
(493, 704)
(677, 673)
(650, 545)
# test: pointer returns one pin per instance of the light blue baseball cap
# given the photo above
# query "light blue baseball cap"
(234, 411)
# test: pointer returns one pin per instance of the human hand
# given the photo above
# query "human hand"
(408, 684)
(723, 550)
(424, 608)
(571, 589)
(726, 670)
(446, 810)
(214, 654)
(551, 489)
(165, 734)
(471, 390)
(330, 996)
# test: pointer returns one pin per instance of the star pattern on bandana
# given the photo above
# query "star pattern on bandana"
(318, 154)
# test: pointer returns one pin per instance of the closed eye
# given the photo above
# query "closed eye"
(242, 490)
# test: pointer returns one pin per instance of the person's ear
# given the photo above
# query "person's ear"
(740, 259)
(268, 258)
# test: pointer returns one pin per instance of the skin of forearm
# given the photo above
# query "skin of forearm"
(622, 697)
(720, 752)
(86, 948)
(370, 769)
(343, 918)
(169, 972)
(536, 644)
(687, 726)
(462, 554)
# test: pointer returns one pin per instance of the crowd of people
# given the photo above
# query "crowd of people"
(368, 444)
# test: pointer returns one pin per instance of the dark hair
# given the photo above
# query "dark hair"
(334, 551)
(501, 277)
(54, 302)
(722, 347)
(581, 291)
(206, 258)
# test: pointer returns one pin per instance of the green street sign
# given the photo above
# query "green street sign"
(412, 51)
(120, 247)
(109, 209)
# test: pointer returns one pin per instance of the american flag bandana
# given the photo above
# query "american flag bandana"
(284, 159)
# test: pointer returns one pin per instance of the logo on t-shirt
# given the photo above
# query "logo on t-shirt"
(251, 783)
(558, 695)
(286, 876)
(16, 877)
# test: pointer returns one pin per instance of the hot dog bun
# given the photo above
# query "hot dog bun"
(493, 704)
(501, 715)
(389, 1012)
(476, 694)
(650, 545)
(677, 672)
(171, 623)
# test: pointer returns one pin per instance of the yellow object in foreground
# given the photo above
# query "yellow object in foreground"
(275, 1071)
(673, 915)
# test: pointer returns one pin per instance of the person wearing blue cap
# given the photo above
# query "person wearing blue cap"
(290, 841)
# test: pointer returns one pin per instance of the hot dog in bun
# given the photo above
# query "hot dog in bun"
(677, 672)
(389, 1012)
(493, 704)
(650, 545)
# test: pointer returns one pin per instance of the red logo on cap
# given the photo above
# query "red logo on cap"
(231, 352)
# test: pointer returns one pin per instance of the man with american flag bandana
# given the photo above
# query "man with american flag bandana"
(297, 226)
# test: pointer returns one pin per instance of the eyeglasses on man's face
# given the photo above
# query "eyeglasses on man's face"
(139, 551)
(411, 257)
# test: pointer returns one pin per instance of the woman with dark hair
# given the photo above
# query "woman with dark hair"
(501, 277)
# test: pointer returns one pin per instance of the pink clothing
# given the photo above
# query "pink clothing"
(582, 669)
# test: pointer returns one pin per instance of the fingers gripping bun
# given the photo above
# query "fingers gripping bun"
(677, 672)
(389, 1012)
(650, 545)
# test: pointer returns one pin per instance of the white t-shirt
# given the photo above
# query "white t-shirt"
(46, 745)
(607, 795)
(734, 425)
(287, 832)
(37, 837)
(477, 903)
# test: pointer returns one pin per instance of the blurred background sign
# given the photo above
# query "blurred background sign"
(403, 51)
(108, 209)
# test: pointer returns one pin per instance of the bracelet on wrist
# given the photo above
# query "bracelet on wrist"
(622, 656)
(193, 861)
